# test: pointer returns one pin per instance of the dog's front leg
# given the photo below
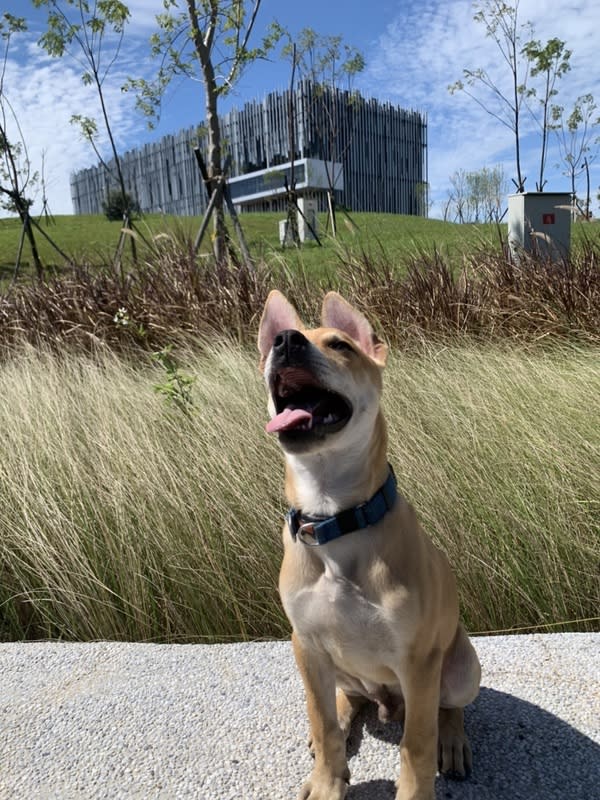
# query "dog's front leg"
(330, 775)
(418, 748)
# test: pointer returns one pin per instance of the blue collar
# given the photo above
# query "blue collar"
(320, 530)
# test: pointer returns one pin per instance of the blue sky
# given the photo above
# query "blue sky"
(413, 50)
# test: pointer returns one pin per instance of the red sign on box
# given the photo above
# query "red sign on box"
(548, 219)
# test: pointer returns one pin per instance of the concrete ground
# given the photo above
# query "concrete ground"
(219, 722)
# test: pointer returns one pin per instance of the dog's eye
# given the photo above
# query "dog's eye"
(340, 344)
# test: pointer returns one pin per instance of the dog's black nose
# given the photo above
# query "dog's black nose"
(289, 347)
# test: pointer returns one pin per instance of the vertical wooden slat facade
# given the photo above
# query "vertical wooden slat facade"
(383, 149)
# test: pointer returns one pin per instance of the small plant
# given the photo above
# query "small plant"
(122, 319)
(177, 386)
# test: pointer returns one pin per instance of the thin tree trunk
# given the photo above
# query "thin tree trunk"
(16, 194)
(520, 182)
(588, 199)
(544, 137)
(203, 53)
(214, 163)
(19, 253)
(32, 243)
(117, 160)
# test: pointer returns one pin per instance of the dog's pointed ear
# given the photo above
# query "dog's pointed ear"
(278, 315)
(337, 313)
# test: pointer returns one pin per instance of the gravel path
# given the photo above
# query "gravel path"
(220, 722)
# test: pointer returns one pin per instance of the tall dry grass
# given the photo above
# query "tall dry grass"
(499, 449)
(124, 518)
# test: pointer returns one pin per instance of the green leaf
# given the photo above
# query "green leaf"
(87, 126)
(10, 24)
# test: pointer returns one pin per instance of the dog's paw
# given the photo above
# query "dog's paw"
(324, 787)
(454, 755)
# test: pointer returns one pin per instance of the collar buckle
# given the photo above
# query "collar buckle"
(307, 529)
(318, 531)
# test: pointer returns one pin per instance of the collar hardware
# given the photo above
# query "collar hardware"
(315, 531)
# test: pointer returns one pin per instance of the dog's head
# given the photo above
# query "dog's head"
(324, 383)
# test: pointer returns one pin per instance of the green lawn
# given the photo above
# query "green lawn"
(93, 239)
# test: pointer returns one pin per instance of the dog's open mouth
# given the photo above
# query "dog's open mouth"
(303, 406)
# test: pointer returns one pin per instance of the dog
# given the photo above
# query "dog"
(372, 602)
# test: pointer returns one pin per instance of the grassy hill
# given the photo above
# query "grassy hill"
(93, 239)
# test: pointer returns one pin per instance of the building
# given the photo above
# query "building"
(382, 150)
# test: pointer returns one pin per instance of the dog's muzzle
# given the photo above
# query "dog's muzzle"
(303, 405)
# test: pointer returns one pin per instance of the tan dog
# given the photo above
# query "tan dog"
(372, 601)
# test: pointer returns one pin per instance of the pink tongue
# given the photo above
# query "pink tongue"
(288, 419)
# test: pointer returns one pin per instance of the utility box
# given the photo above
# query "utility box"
(540, 223)
(307, 217)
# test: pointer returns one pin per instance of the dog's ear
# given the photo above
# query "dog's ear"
(337, 313)
(278, 315)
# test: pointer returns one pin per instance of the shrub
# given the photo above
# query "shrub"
(176, 297)
(115, 206)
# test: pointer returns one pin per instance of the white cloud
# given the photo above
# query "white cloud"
(143, 13)
(49, 92)
(46, 92)
(426, 47)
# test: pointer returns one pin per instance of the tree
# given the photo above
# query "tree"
(328, 64)
(502, 26)
(476, 196)
(527, 58)
(578, 142)
(492, 185)
(551, 62)
(16, 175)
(456, 204)
(210, 40)
(79, 28)
(291, 230)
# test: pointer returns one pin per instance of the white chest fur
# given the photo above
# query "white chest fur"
(336, 615)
